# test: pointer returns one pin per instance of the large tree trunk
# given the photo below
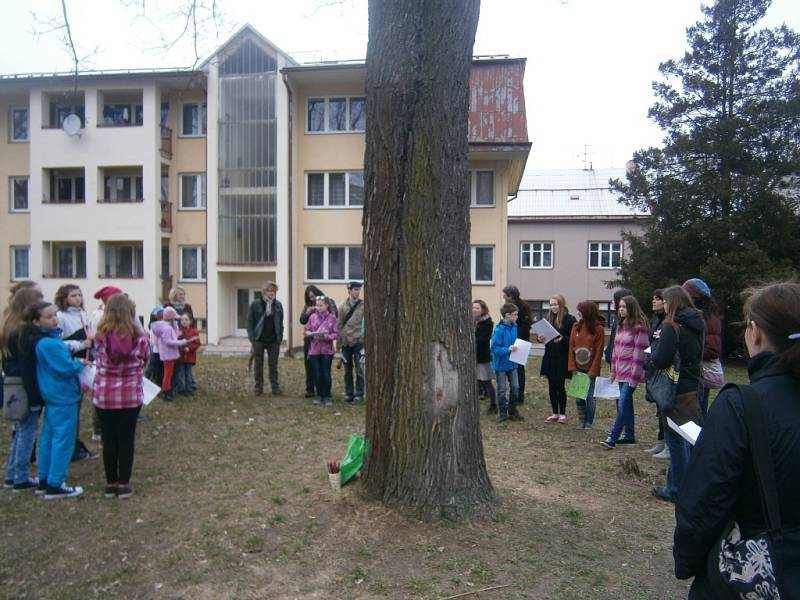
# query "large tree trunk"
(423, 427)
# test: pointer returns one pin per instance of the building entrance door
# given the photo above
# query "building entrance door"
(244, 296)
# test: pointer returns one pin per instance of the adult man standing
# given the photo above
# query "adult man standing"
(351, 314)
(265, 331)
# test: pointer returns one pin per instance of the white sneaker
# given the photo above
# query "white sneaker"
(65, 491)
(657, 448)
(663, 455)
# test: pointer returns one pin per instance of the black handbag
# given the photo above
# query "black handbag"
(751, 568)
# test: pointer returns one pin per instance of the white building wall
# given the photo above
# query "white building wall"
(219, 312)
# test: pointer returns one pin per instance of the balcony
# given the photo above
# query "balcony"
(64, 260)
(64, 186)
(166, 216)
(58, 105)
(121, 260)
(120, 108)
(121, 185)
(166, 142)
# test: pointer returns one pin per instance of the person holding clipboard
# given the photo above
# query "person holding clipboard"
(555, 361)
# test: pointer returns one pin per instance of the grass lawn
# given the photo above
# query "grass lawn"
(232, 501)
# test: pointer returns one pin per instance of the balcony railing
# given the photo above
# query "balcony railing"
(119, 200)
(166, 216)
(166, 142)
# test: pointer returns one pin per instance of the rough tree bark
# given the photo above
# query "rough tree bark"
(423, 428)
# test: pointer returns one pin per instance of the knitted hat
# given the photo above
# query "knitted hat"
(170, 314)
(697, 288)
(104, 293)
(157, 310)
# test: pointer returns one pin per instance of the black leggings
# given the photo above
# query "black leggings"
(558, 396)
(119, 433)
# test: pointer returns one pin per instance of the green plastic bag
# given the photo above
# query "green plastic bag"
(353, 459)
(579, 386)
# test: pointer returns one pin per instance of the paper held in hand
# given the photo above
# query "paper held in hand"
(520, 355)
(688, 431)
(150, 390)
(605, 388)
(544, 329)
(86, 377)
(579, 385)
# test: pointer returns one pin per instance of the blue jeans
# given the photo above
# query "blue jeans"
(351, 355)
(321, 371)
(625, 416)
(19, 456)
(182, 380)
(513, 382)
(679, 453)
(590, 404)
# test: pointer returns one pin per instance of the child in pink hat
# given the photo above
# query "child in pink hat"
(166, 333)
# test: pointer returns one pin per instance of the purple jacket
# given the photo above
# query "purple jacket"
(168, 342)
(326, 324)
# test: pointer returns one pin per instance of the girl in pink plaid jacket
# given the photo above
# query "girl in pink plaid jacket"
(122, 349)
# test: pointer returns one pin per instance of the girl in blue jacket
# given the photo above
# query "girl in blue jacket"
(503, 338)
(57, 373)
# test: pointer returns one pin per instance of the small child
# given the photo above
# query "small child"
(154, 371)
(503, 338)
(57, 373)
(166, 332)
(322, 330)
(188, 358)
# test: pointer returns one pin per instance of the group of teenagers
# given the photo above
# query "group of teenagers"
(717, 481)
(47, 349)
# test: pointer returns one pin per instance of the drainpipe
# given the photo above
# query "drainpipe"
(290, 101)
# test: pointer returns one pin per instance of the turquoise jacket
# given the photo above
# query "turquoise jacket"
(56, 370)
(503, 337)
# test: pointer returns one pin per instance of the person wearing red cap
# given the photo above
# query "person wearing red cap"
(103, 294)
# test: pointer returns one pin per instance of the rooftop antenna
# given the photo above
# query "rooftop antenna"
(587, 164)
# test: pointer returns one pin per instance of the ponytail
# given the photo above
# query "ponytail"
(774, 308)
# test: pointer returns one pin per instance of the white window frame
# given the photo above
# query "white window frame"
(600, 251)
(326, 187)
(204, 111)
(326, 117)
(326, 276)
(11, 181)
(202, 201)
(541, 253)
(473, 188)
(73, 179)
(13, 253)
(202, 258)
(115, 247)
(473, 264)
(11, 137)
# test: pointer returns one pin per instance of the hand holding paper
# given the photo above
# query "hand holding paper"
(543, 329)
(520, 354)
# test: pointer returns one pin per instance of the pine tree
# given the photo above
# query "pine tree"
(719, 188)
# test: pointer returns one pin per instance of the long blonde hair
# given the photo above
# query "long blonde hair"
(119, 317)
(558, 320)
(21, 301)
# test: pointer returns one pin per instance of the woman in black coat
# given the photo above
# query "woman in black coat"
(720, 483)
(556, 353)
(483, 354)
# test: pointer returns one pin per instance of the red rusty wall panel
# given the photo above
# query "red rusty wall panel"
(497, 102)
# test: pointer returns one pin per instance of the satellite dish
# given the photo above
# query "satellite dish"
(71, 124)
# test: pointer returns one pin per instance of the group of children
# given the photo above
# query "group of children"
(47, 350)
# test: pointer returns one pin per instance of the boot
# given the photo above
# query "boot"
(492, 410)
(659, 447)
(663, 455)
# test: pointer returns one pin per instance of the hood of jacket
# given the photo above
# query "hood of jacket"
(691, 319)
(54, 333)
(120, 348)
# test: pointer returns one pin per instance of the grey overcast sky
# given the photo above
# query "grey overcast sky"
(590, 63)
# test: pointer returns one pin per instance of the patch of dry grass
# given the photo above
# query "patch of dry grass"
(232, 501)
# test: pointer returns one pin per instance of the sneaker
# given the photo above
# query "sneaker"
(328, 402)
(581, 425)
(65, 491)
(608, 444)
(587, 426)
(358, 400)
(349, 400)
(258, 392)
(552, 419)
(626, 440)
(662, 494)
(83, 454)
(317, 400)
(169, 396)
(140, 418)
(659, 447)
(492, 410)
(41, 488)
(562, 419)
(8, 484)
(663, 455)
(97, 437)
(310, 394)
(124, 491)
(515, 415)
(501, 417)
(26, 485)
(277, 392)
(110, 491)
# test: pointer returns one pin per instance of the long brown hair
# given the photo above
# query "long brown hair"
(774, 309)
(635, 317)
(590, 315)
(21, 301)
(558, 319)
(675, 299)
(119, 317)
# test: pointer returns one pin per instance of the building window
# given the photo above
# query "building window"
(164, 116)
(605, 255)
(481, 188)
(123, 260)
(334, 263)
(194, 119)
(193, 263)
(20, 256)
(193, 191)
(536, 255)
(18, 194)
(123, 188)
(67, 260)
(539, 309)
(337, 114)
(335, 190)
(482, 268)
(19, 125)
(122, 114)
(67, 188)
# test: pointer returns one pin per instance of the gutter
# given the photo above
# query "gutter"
(290, 101)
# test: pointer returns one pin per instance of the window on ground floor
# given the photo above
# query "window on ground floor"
(20, 262)
(482, 267)
(334, 263)
(192, 263)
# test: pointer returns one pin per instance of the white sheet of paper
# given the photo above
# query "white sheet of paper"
(150, 390)
(543, 328)
(86, 377)
(520, 355)
(648, 350)
(688, 431)
(605, 388)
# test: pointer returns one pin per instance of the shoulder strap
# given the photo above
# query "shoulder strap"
(350, 312)
(762, 460)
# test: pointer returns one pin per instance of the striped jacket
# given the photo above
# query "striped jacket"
(120, 363)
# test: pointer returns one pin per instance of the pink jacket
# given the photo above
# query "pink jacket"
(167, 340)
(120, 362)
(627, 361)
(326, 324)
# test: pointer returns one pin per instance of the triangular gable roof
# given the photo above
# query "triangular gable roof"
(246, 30)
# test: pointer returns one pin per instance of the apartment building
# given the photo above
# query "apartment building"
(247, 169)
(565, 236)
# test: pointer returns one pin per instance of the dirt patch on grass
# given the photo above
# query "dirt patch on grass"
(232, 501)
